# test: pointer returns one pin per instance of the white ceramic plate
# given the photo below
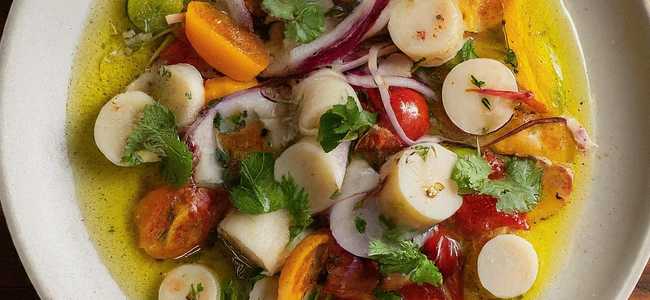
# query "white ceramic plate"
(611, 244)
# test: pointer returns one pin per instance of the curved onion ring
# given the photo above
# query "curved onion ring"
(368, 82)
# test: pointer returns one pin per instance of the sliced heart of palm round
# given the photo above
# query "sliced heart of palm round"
(418, 191)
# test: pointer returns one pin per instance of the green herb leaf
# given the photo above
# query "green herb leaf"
(518, 192)
(511, 60)
(478, 83)
(405, 258)
(486, 103)
(297, 203)
(360, 224)
(304, 19)
(257, 192)
(194, 291)
(232, 123)
(465, 53)
(235, 290)
(392, 232)
(156, 132)
(343, 122)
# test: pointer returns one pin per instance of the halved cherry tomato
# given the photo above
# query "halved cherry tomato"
(478, 215)
(444, 251)
(180, 51)
(172, 222)
(348, 276)
(422, 292)
(410, 107)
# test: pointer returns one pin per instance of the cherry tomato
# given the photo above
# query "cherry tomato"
(478, 215)
(180, 51)
(497, 165)
(348, 276)
(172, 222)
(410, 107)
(422, 292)
(444, 251)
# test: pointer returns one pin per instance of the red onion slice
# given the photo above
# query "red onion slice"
(385, 96)
(240, 14)
(347, 66)
(323, 51)
(368, 82)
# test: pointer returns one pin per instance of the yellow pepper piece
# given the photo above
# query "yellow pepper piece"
(220, 87)
(302, 267)
(229, 48)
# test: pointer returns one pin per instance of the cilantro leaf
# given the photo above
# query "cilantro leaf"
(343, 122)
(194, 291)
(386, 295)
(156, 132)
(478, 83)
(257, 192)
(235, 290)
(470, 172)
(304, 19)
(297, 203)
(467, 52)
(405, 258)
(518, 192)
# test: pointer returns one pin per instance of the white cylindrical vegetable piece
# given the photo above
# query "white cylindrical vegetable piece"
(178, 87)
(418, 191)
(265, 289)
(319, 173)
(428, 31)
(115, 122)
(317, 94)
(191, 279)
(507, 266)
(354, 223)
(360, 177)
(263, 238)
(470, 111)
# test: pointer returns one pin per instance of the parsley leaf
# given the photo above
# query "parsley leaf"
(304, 19)
(343, 122)
(259, 193)
(518, 192)
(405, 258)
(156, 132)
(194, 291)
(297, 203)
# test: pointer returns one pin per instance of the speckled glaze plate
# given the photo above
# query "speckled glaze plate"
(611, 242)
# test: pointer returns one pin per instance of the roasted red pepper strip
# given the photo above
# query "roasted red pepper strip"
(525, 97)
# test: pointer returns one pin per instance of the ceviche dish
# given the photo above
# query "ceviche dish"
(330, 149)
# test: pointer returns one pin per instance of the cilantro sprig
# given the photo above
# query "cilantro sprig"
(518, 192)
(405, 258)
(343, 122)
(259, 193)
(465, 53)
(156, 132)
(304, 19)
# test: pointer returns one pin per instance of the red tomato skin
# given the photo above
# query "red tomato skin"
(478, 215)
(444, 251)
(422, 292)
(349, 276)
(181, 52)
(497, 164)
(410, 107)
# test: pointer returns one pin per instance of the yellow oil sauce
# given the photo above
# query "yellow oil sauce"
(107, 194)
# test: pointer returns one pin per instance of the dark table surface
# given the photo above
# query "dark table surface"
(14, 283)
